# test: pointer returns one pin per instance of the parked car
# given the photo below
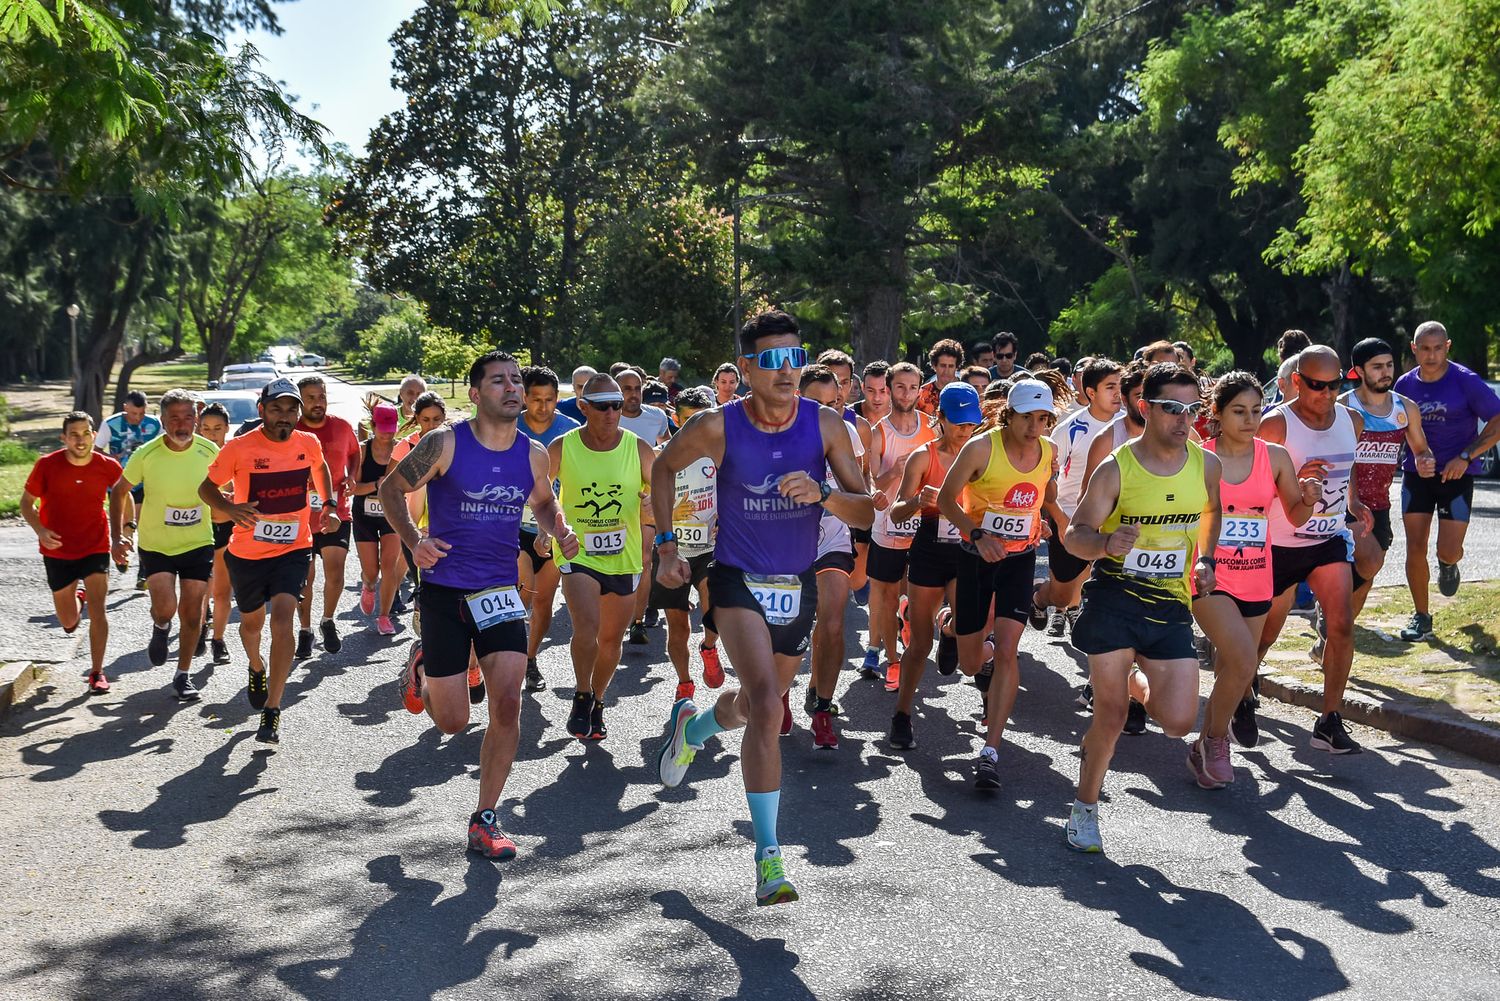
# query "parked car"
(1489, 462)
(310, 360)
(239, 403)
(252, 375)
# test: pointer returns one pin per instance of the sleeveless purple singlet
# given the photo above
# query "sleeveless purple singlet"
(476, 508)
(760, 531)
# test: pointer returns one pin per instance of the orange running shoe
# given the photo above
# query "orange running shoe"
(892, 677)
(713, 671)
(476, 684)
(684, 691)
(98, 683)
(904, 620)
(409, 681)
(486, 838)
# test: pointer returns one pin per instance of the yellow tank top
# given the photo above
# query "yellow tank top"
(601, 498)
(1007, 501)
(1168, 510)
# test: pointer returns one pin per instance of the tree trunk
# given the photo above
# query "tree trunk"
(107, 327)
(122, 382)
(1341, 292)
(876, 320)
(1238, 329)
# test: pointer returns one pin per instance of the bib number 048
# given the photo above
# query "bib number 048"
(1156, 563)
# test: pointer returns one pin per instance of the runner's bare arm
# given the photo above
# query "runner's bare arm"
(970, 463)
(1299, 495)
(1365, 520)
(852, 503)
(118, 544)
(544, 503)
(862, 428)
(243, 515)
(1272, 428)
(29, 514)
(909, 497)
(1416, 440)
(701, 437)
(429, 458)
(1083, 538)
(1488, 436)
(1213, 514)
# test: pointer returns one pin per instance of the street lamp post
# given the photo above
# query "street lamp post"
(73, 312)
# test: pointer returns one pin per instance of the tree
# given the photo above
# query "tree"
(393, 344)
(447, 355)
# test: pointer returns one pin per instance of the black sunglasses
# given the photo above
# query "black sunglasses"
(1317, 385)
(610, 405)
(1005, 354)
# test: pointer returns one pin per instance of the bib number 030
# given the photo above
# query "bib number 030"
(498, 604)
(779, 596)
(691, 536)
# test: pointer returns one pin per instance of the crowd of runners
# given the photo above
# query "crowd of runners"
(1112, 503)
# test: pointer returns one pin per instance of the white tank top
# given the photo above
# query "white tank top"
(894, 450)
(833, 534)
(1334, 446)
(695, 508)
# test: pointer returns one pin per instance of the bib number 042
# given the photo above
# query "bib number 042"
(183, 517)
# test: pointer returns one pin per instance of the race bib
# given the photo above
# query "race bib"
(498, 604)
(1156, 564)
(373, 507)
(528, 517)
(183, 517)
(279, 533)
(604, 543)
(1322, 526)
(314, 500)
(1012, 527)
(947, 531)
(906, 529)
(691, 536)
(1377, 453)
(1242, 533)
(779, 595)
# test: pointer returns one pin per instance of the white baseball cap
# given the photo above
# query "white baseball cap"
(1028, 395)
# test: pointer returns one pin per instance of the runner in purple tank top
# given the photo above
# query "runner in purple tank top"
(478, 474)
(772, 449)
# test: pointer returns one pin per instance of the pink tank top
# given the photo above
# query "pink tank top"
(1243, 555)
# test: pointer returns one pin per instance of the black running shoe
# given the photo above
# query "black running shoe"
(183, 687)
(156, 649)
(1135, 719)
(221, 651)
(1448, 578)
(1242, 727)
(331, 641)
(985, 676)
(398, 607)
(987, 772)
(578, 719)
(270, 727)
(947, 654)
(638, 634)
(304, 644)
(901, 735)
(652, 618)
(256, 690)
(534, 680)
(1038, 616)
(597, 729)
(810, 703)
(1329, 734)
(1085, 699)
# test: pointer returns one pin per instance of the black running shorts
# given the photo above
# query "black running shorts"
(64, 574)
(195, 564)
(678, 599)
(727, 589)
(449, 631)
(256, 582)
(1006, 584)
(1110, 620)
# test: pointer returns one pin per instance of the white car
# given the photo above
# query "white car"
(310, 360)
(1489, 462)
(239, 403)
(253, 375)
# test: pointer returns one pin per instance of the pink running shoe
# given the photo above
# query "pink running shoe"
(367, 599)
(1208, 759)
(384, 626)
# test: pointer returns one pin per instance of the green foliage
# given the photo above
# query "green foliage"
(1109, 318)
(447, 355)
(13, 452)
(392, 346)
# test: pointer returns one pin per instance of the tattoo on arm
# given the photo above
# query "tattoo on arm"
(420, 460)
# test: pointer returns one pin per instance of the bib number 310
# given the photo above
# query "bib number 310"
(780, 597)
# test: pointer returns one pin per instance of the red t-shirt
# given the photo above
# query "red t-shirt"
(341, 452)
(72, 500)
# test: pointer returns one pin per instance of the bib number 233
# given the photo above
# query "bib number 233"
(780, 597)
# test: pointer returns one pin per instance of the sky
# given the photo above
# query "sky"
(334, 56)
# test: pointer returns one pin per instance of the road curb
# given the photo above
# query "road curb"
(1418, 719)
(15, 681)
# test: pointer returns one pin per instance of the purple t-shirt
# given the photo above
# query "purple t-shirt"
(1452, 408)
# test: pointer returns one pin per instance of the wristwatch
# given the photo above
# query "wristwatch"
(825, 490)
(662, 538)
(1464, 455)
(975, 534)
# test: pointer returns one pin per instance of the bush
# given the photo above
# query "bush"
(392, 345)
(13, 453)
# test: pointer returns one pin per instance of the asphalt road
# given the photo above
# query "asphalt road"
(155, 850)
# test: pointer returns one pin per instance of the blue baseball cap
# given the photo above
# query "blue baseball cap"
(959, 404)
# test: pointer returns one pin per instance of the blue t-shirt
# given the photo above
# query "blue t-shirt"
(1453, 407)
(569, 409)
(118, 437)
(561, 425)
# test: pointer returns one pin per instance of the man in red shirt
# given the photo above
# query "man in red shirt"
(341, 452)
(73, 531)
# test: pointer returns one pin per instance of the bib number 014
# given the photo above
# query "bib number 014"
(498, 604)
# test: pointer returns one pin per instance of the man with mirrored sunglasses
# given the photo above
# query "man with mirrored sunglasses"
(1322, 437)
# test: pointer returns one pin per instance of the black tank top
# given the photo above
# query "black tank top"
(370, 471)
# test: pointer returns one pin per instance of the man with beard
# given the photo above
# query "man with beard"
(275, 469)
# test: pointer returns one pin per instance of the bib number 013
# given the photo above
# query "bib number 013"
(604, 543)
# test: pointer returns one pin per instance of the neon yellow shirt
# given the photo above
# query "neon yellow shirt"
(172, 520)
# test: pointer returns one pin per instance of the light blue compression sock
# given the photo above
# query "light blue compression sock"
(702, 726)
(763, 809)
